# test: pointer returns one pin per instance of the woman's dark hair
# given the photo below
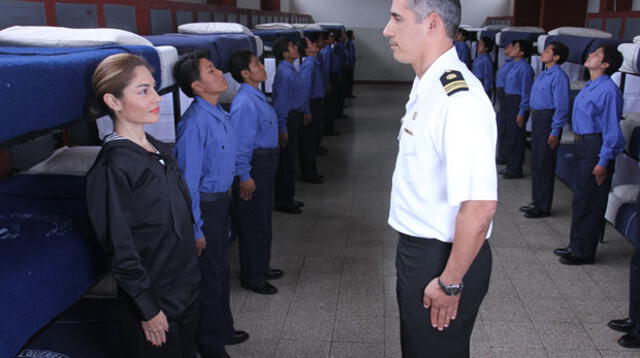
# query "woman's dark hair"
(561, 50)
(314, 36)
(524, 46)
(464, 33)
(302, 47)
(488, 43)
(613, 57)
(112, 75)
(187, 71)
(280, 46)
(238, 62)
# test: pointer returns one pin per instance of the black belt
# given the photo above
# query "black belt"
(580, 137)
(405, 236)
(542, 111)
(263, 152)
(215, 196)
(508, 95)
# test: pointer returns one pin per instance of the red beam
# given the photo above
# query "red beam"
(5, 164)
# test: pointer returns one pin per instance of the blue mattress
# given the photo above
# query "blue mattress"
(627, 222)
(270, 36)
(508, 37)
(489, 33)
(45, 88)
(48, 255)
(220, 47)
(597, 43)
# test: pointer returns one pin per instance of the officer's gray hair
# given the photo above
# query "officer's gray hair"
(449, 11)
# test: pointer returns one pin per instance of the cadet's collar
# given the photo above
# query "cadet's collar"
(217, 111)
(602, 78)
(254, 91)
(287, 64)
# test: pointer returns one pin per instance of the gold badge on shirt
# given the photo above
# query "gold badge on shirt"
(453, 82)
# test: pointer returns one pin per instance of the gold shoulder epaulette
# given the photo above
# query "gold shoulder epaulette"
(453, 82)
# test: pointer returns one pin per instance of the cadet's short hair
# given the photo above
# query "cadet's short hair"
(488, 43)
(314, 36)
(302, 47)
(464, 33)
(280, 46)
(238, 62)
(525, 46)
(561, 50)
(336, 35)
(187, 70)
(613, 57)
(449, 11)
(350, 33)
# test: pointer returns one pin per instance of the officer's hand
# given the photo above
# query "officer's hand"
(600, 173)
(247, 188)
(201, 244)
(520, 121)
(553, 141)
(307, 119)
(155, 329)
(283, 139)
(443, 308)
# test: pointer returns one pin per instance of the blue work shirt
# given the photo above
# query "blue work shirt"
(326, 79)
(463, 52)
(288, 94)
(598, 109)
(551, 91)
(483, 69)
(341, 51)
(502, 73)
(519, 81)
(327, 54)
(312, 78)
(255, 125)
(351, 50)
(206, 152)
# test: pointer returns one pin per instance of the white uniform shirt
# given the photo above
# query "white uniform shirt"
(446, 154)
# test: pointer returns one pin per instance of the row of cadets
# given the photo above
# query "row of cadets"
(206, 152)
(351, 66)
(340, 66)
(331, 75)
(292, 107)
(549, 112)
(482, 64)
(501, 76)
(462, 49)
(515, 108)
(324, 80)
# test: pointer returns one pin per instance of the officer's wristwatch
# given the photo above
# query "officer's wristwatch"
(450, 290)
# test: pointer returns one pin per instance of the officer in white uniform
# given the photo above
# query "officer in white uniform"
(444, 192)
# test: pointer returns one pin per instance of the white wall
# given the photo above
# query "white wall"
(248, 4)
(593, 6)
(368, 17)
(636, 5)
(285, 5)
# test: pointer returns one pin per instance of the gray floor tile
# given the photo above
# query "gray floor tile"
(360, 305)
(307, 349)
(357, 350)
(604, 338)
(561, 335)
(308, 327)
(322, 265)
(254, 348)
(519, 353)
(503, 309)
(359, 329)
(564, 353)
(549, 310)
(594, 311)
(362, 285)
(508, 334)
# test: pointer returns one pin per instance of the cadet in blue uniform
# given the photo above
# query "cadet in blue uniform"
(501, 75)
(351, 50)
(313, 84)
(514, 113)
(292, 107)
(320, 39)
(255, 126)
(483, 66)
(549, 112)
(205, 151)
(328, 71)
(462, 48)
(598, 140)
(340, 65)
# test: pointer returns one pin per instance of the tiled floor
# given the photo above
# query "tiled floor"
(337, 298)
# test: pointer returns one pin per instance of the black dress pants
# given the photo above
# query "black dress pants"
(502, 155)
(285, 189)
(181, 342)
(308, 141)
(216, 322)
(634, 280)
(419, 261)
(317, 112)
(589, 199)
(515, 136)
(543, 160)
(253, 218)
(329, 107)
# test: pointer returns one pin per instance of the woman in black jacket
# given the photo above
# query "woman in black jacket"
(140, 208)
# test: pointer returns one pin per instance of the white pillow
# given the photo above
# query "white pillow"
(636, 39)
(307, 27)
(168, 57)
(580, 32)
(627, 192)
(274, 26)
(329, 24)
(67, 161)
(541, 40)
(629, 54)
(53, 36)
(531, 29)
(496, 27)
(213, 27)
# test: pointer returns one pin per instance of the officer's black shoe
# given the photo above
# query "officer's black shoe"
(621, 325)
(237, 338)
(299, 204)
(274, 274)
(508, 175)
(289, 209)
(264, 289)
(563, 251)
(526, 208)
(536, 214)
(572, 260)
(630, 340)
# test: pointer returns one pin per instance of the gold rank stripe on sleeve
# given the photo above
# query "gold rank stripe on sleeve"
(453, 82)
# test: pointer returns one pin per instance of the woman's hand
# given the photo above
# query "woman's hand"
(155, 329)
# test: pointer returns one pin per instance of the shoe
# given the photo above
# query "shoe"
(274, 274)
(526, 208)
(621, 325)
(237, 338)
(289, 209)
(315, 180)
(571, 260)
(536, 214)
(299, 204)
(564, 251)
(630, 340)
(508, 175)
(264, 289)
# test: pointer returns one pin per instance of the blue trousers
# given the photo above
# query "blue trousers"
(543, 160)
(515, 137)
